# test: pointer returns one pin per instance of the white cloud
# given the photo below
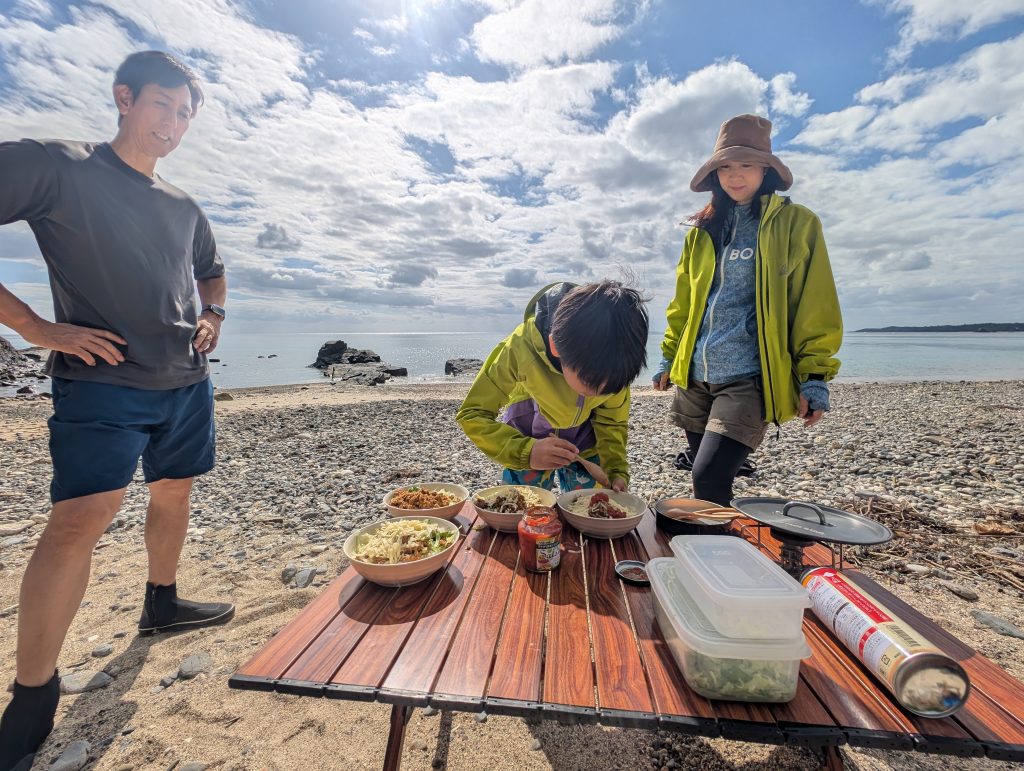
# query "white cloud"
(429, 193)
(925, 21)
(535, 32)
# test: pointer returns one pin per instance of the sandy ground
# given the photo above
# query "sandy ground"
(134, 723)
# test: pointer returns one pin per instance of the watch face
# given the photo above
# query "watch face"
(216, 309)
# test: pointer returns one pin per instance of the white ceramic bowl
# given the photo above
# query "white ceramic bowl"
(443, 512)
(404, 573)
(508, 523)
(603, 528)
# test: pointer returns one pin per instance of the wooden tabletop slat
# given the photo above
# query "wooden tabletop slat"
(370, 661)
(327, 653)
(416, 667)
(471, 652)
(568, 666)
(621, 682)
(671, 694)
(518, 663)
(280, 652)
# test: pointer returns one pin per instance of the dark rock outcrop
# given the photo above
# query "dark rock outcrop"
(354, 365)
(462, 366)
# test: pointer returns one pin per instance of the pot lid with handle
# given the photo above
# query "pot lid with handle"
(813, 521)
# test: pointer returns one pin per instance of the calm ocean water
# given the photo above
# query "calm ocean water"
(865, 356)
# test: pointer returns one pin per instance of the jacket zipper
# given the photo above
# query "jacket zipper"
(714, 300)
(764, 326)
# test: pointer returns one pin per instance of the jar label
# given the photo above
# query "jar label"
(548, 553)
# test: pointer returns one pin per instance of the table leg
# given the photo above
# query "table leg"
(396, 737)
(831, 759)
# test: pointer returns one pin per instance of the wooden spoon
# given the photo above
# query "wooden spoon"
(598, 473)
(723, 514)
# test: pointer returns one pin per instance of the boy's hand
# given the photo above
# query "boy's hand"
(661, 382)
(552, 453)
(619, 485)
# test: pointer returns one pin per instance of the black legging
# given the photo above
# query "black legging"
(716, 461)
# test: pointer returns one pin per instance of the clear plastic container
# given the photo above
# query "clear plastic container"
(713, 665)
(743, 593)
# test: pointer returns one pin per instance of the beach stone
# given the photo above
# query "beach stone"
(997, 624)
(26, 390)
(535, 745)
(74, 757)
(195, 665)
(462, 366)
(15, 528)
(318, 550)
(397, 371)
(288, 573)
(223, 396)
(959, 589)
(168, 681)
(911, 567)
(193, 766)
(304, 577)
(102, 650)
(418, 744)
(84, 681)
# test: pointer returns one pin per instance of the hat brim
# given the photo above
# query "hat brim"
(701, 181)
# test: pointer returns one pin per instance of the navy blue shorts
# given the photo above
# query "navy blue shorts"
(98, 432)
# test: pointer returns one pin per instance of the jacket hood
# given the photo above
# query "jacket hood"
(541, 309)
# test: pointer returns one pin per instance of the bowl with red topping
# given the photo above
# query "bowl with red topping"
(601, 513)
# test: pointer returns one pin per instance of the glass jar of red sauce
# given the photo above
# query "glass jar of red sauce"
(540, 539)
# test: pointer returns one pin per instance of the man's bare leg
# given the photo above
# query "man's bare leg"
(51, 592)
(56, 579)
(166, 527)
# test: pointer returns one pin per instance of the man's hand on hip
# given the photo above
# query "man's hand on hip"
(85, 343)
(207, 332)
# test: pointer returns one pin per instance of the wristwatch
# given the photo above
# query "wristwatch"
(216, 309)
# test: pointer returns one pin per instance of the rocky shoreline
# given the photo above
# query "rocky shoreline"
(299, 467)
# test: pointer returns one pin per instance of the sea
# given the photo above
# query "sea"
(247, 359)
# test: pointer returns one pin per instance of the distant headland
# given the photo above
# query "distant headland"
(952, 328)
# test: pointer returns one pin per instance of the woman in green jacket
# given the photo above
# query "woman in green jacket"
(754, 325)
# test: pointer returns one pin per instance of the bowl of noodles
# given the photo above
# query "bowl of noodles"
(427, 499)
(602, 513)
(502, 507)
(401, 551)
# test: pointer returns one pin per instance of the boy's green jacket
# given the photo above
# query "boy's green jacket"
(799, 325)
(518, 371)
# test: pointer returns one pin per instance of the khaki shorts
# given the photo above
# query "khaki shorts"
(735, 410)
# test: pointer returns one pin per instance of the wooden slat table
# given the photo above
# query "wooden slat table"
(579, 645)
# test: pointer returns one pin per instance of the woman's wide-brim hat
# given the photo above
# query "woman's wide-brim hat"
(743, 139)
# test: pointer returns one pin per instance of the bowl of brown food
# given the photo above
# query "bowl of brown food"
(502, 507)
(428, 499)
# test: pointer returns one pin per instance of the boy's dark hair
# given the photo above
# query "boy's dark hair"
(160, 68)
(600, 331)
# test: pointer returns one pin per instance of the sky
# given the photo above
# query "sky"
(426, 165)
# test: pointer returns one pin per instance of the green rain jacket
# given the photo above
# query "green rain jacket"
(799, 324)
(520, 378)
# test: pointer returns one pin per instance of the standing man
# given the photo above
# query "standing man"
(125, 250)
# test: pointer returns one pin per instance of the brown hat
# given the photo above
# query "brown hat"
(747, 139)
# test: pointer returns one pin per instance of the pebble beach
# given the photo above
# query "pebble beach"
(299, 467)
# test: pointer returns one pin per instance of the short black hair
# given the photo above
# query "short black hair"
(158, 67)
(600, 332)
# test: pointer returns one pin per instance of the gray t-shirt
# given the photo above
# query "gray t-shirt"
(122, 250)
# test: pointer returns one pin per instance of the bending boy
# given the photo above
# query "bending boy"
(560, 382)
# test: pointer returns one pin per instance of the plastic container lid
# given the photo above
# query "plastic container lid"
(696, 630)
(732, 571)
